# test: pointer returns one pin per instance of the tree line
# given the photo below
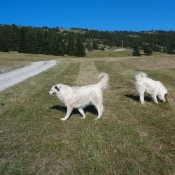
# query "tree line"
(74, 41)
(39, 41)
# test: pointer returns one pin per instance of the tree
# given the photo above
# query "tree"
(147, 50)
(14, 38)
(3, 42)
(61, 46)
(40, 38)
(45, 43)
(56, 46)
(89, 46)
(52, 46)
(31, 43)
(94, 46)
(79, 48)
(171, 49)
(136, 51)
(22, 40)
(103, 48)
(71, 46)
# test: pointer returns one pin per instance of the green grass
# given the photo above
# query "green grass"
(130, 138)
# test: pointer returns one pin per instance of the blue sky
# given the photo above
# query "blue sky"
(112, 15)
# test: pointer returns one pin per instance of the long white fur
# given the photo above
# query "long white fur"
(152, 87)
(80, 97)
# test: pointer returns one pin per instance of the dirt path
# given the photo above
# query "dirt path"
(18, 75)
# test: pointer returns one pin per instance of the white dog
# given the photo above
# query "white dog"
(154, 88)
(80, 97)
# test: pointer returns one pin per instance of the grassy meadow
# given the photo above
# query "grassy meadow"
(129, 139)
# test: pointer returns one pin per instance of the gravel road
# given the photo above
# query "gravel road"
(18, 75)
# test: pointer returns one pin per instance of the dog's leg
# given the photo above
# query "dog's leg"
(69, 110)
(154, 98)
(100, 111)
(142, 98)
(141, 90)
(82, 112)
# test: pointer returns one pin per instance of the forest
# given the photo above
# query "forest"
(76, 41)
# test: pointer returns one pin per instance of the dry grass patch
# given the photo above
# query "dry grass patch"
(88, 74)
(152, 62)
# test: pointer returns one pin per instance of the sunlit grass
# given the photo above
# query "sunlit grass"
(105, 54)
(14, 60)
(130, 138)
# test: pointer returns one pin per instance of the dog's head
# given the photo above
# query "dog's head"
(163, 97)
(166, 96)
(54, 90)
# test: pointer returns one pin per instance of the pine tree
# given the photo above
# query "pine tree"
(56, 47)
(22, 40)
(61, 47)
(171, 49)
(31, 43)
(71, 46)
(94, 46)
(79, 48)
(45, 43)
(52, 46)
(136, 51)
(14, 38)
(3, 42)
(147, 50)
(40, 38)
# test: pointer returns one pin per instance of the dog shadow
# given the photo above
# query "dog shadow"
(137, 98)
(63, 109)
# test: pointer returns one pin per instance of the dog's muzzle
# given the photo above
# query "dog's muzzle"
(52, 94)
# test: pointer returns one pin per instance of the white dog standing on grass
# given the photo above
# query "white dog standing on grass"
(154, 88)
(80, 97)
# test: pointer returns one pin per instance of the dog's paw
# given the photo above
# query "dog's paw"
(63, 119)
(97, 118)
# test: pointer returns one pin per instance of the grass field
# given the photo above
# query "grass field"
(130, 138)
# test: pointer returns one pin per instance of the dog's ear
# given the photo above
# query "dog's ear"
(57, 88)
(166, 95)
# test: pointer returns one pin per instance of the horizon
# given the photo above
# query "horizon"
(80, 28)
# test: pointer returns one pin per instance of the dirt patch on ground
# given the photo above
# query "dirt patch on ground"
(119, 49)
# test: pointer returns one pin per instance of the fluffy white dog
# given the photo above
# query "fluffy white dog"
(80, 97)
(154, 88)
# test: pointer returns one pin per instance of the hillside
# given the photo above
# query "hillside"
(76, 41)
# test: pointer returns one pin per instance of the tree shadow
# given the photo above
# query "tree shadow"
(137, 98)
(63, 109)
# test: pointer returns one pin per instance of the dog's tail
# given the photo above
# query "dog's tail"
(104, 80)
(140, 75)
